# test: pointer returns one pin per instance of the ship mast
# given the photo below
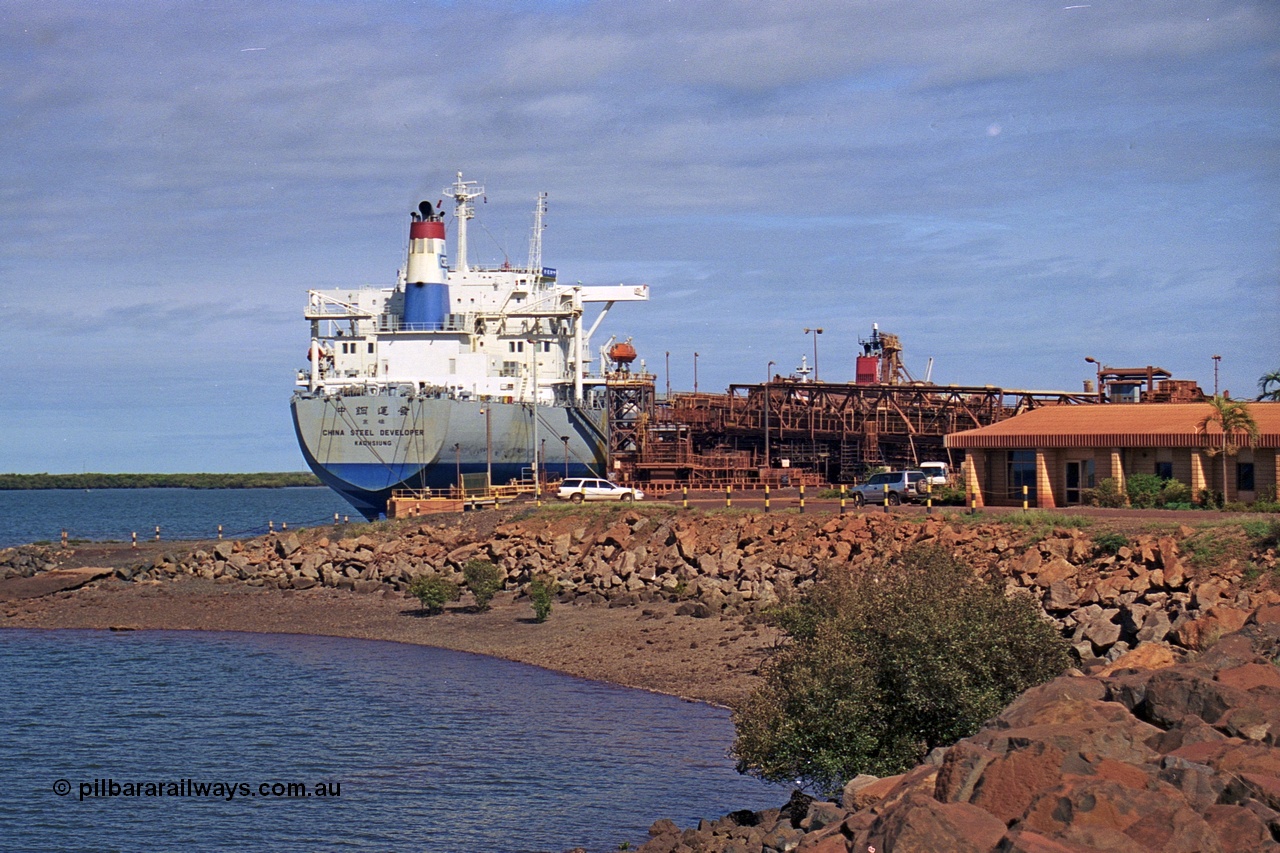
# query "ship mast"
(535, 239)
(463, 192)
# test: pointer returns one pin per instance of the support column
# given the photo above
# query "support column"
(974, 470)
(1044, 482)
(1199, 482)
(1117, 470)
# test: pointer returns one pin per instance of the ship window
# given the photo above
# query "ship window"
(546, 346)
(370, 347)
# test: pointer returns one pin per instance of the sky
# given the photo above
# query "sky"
(1008, 185)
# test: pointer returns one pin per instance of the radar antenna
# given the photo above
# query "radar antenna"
(463, 192)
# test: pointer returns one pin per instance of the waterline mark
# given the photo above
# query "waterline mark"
(105, 788)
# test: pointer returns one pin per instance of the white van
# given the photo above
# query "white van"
(938, 472)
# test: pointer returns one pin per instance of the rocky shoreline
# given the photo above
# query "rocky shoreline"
(1183, 586)
(682, 593)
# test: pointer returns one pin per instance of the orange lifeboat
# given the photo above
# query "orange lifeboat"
(622, 353)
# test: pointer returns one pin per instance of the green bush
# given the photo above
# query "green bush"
(541, 591)
(887, 664)
(1144, 490)
(1175, 493)
(1110, 542)
(1107, 493)
(483, 579)
(434, 591)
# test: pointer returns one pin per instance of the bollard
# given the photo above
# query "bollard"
(766, 498)
(135, 539)
(157, 533)
(271, 526)
(1024, 497)
(973, 503)
(346, 519)
(728, 497)
(219, 531)
(335, 518)
(684, 499)
(928, 498)
(284, 525)
(802, 498)
(886, 497)
(843, 491)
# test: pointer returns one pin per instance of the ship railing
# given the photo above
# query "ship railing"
(451, 323)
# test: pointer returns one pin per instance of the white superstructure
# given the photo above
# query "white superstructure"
(502, 325)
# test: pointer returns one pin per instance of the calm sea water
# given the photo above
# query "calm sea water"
(426, 749)
(100, 514)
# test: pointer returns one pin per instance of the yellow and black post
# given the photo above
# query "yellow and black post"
(928, 498)
(886, 497)
(684, 497)
(843, 491)
(1024, 497)
(728, 496)
(766, 498)
(802, 498)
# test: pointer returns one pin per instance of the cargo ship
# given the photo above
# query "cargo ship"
(455, 374)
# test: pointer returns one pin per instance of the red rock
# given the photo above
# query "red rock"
(1173, 693)
(871, 793)
(1056, 569)
(960, 771)
(1026, 841)
(1265, 788)
(832, 843)
(1238, 828)
(1152, 819)
(1122, 773)
(1148, 656)
(921, 823)
(1267, 615)
(1009, 784)
(1251, 675)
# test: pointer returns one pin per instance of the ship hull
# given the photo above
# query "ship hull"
(366, 446)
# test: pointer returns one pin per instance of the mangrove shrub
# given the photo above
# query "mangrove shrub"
(885, 664)
(434, 591)
(483, 579)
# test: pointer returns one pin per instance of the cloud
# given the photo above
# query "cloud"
(1004, 182)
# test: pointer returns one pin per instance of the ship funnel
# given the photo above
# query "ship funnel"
(426, 291)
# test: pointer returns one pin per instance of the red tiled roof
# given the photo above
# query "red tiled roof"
(1114, 425)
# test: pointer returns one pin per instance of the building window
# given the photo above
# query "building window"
(1244, 476)
(1164, 470)
(1022, 472)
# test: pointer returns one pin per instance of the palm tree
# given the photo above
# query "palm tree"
(1265, 383)
(1236, 422)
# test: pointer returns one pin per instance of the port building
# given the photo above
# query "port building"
(1059, 452)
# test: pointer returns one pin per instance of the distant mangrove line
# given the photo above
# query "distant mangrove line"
(272, 480)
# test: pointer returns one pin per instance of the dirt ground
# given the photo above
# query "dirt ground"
(645, 646)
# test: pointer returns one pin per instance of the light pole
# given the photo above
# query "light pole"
(815, 333)
(488, 448)
(565, 439)
(457, 462)
(1098, 364)
(537, 483)
(1216, 360)
(695, 373)
(668, 354)
(767, 379)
